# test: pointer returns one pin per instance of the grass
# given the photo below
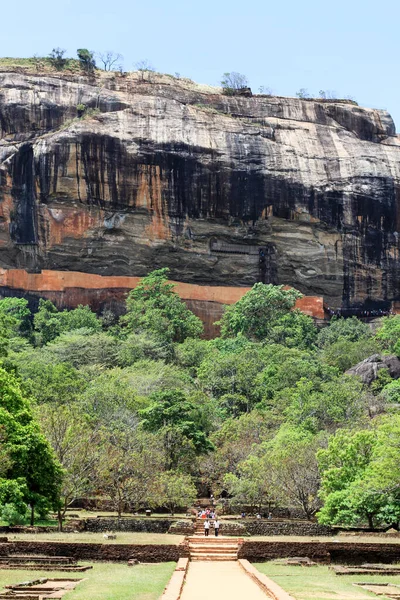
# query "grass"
(38, 522)
(106, 581)
(123, 537)
(320, 582)
(345, 539)
(40, 64)
(87, 514)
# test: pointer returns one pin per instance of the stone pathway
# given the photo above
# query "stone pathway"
(219, 580)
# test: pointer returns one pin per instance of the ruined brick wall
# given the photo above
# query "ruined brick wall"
(352, 553)
(261, 527)
(106, 552)
(135, 525)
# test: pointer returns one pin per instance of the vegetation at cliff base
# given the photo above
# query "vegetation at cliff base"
(141, 410)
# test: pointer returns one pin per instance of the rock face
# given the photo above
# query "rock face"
(223, 190)
(369, 368)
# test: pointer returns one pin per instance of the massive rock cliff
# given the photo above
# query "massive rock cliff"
(118, 175)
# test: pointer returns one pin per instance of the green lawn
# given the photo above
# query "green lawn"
(106, 581)
(320, 582)
(123, 537)
(345, 539)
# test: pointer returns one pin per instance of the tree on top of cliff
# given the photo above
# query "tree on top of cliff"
(57, 59)
(111, 60)
(154, 306)
(232, 82)
(86, 59)
(258, 311)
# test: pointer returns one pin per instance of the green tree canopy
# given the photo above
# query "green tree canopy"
(33, 466)
(389, 334)
(178, 419)
(351, 329)
(154, 306)
(49, 322)
(258, 311)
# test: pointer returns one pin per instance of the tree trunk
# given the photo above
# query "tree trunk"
(32, 514)
(371, 521)
(60, 520)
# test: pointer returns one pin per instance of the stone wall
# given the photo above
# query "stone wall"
(262, 527)
(68, 289)
(147, 525)
(107, 552)
(352, 553)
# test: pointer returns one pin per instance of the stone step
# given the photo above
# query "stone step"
(215, 541)
(212, 545)
(213, 551)
(216, 557)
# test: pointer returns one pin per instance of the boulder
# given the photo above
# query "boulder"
(369, 368)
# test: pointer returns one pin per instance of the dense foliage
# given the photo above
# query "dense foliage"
(142, 410)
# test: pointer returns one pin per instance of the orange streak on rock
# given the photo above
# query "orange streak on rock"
(69, 223)
(60, 281)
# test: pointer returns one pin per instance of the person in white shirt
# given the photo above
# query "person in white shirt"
(216, 526)
(206, 527)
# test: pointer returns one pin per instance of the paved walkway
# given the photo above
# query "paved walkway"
(219, 580)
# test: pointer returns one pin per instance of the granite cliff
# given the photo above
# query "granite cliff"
(117, 175)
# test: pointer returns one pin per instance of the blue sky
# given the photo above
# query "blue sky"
(349, 46)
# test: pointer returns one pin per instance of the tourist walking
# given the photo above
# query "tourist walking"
(206, 527)
(216, 527)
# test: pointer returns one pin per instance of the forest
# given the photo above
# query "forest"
(139, 409)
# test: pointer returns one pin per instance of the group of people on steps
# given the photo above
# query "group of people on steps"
(207, 525)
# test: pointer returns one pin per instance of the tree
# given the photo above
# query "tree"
(154, 306)
(179, 422)
(81, 347)
(111, 399)
(57, 59)
(293, 463)
(351, 330)
(174, 490)
(145, 67)
(49, 322)
(344, 353)
(294, 330)
(342, 467)
(389, 334)
(233, 81)
(233, 375)
(234, 441)
(139, 346)
(303, 94)
(75, 445)
(258, 311)
(110, 59)
(128, 468)
(17, 308)
(330, 405)
(86, 60)
(51, 383)
(46, 321)
(32, 463)
(253, 486)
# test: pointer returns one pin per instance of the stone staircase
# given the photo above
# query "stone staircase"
(212, 548)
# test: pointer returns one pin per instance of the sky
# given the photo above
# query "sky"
(351, 47)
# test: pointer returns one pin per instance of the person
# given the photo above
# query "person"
(243, 515)
(258, 516)
(216, 526)
(270, 515)
(206, 527)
